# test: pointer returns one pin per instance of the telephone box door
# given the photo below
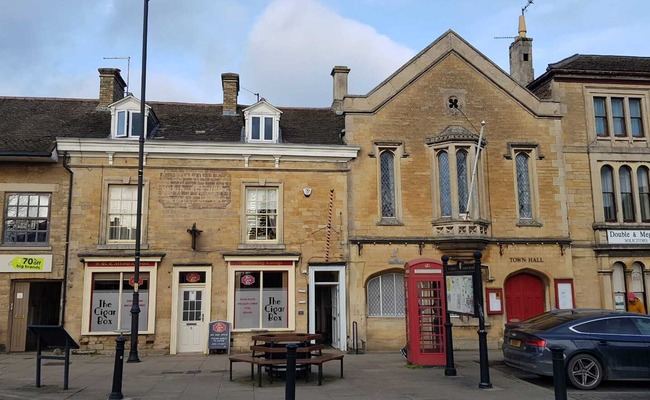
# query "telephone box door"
(425, 313)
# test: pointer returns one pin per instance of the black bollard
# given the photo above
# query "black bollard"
(116, 392)
(290, 382)
(559, 373)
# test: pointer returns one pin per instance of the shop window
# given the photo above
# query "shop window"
(261, 294)
(108, 297)
(385, 295)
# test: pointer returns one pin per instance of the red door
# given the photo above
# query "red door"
(524, 297)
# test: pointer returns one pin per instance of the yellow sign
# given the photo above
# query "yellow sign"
(25, 263)
(28, 263)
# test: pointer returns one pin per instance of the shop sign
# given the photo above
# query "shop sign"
(25, 263)
(628, 236)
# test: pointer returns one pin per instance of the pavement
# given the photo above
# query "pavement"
(374, 375)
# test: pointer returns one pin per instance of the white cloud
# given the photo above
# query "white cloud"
(294, 45)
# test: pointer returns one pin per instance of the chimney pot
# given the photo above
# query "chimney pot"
(111, 86)
(230, 83)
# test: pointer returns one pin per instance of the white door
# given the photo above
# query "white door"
(191, 329)
(335, 317)
(335, 279)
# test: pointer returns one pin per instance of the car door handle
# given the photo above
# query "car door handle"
(603, 342)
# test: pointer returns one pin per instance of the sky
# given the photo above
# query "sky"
(284, 49)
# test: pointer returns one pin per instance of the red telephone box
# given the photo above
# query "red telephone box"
(425, 312)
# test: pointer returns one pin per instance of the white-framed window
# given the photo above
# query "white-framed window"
(119, 213)
(122, 216)
(262, 122)
(261, 293)
(108, 296)
(128, 124)
(385, 295)
(625, 190)
(262, 222)
(126, 118)
(27, 219)
(389, 192)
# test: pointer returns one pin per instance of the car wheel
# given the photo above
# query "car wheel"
(585, 372)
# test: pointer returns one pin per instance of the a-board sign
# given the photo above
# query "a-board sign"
(219, 335)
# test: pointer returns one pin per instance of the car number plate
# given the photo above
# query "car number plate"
(515, 343)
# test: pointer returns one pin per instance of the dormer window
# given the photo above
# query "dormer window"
(262, 128)
(129, 124)
(262, 123)
(126, 119)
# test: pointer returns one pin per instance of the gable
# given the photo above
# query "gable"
(445, 46)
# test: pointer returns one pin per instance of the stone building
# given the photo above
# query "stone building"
(606, 103)
(302, 219)
(243, 210)
(416, 195)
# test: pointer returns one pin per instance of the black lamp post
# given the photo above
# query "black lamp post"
(482, 333)
(135, 307)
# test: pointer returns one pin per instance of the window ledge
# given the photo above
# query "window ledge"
(529, 222)
(387, 316)
(260, 246)
(390, 222)
(121, 246)
(23, 248)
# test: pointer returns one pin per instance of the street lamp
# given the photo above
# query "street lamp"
(135, 307)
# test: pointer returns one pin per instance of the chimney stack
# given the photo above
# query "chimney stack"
(521, 56)
(340, 78)
(111, 86)
(230, 83)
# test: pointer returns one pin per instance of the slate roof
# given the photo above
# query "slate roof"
(598, 63)
(29, 126)
(596, 67)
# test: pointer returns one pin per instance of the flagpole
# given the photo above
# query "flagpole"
(471, 186)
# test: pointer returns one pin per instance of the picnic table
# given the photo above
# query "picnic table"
(269, 350)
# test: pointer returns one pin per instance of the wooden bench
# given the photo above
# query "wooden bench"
(320, 360)
(253, 361)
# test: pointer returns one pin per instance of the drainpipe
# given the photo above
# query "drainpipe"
(64, 294)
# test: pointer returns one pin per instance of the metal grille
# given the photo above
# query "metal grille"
(387, 163)
(385, 296)
(445, 184)
(523, 186)
(432, 338)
